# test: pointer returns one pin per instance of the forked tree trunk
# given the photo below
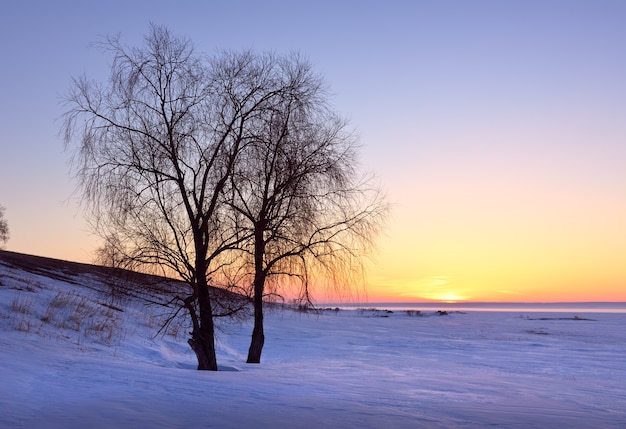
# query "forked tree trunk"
(202, 339)
(204, 350)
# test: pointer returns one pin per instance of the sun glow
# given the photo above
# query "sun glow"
(449, 297)
(443, 295)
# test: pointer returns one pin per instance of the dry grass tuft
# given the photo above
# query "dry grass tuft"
(22, 304)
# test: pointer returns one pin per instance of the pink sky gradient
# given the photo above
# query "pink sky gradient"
(496, 128)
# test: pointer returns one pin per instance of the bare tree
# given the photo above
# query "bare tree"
(4, 228)
(307, 210)
(112, 254)
(156, 148)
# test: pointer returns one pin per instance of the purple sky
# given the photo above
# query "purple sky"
(497, 128)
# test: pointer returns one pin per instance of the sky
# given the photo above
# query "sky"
(495, 128)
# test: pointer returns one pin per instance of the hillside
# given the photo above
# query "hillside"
(77, 302)
(110, 284)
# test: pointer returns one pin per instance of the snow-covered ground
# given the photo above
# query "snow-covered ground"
(338, 369)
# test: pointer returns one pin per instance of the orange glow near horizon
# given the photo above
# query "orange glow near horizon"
(539, 250)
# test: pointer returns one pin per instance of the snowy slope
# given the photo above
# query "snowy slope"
(337, 369)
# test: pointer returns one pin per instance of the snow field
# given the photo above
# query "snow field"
(335, 369)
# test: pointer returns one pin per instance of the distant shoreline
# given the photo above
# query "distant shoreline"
(581, 307)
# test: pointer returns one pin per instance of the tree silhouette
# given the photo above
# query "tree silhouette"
(306, 208)
(229, 170)
(4, 228)
(156, 148)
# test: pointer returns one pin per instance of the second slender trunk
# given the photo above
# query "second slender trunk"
(258, 337)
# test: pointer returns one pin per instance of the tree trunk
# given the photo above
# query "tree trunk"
(204, 350)
(199, 345)
(202, 340)
(258, 337)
